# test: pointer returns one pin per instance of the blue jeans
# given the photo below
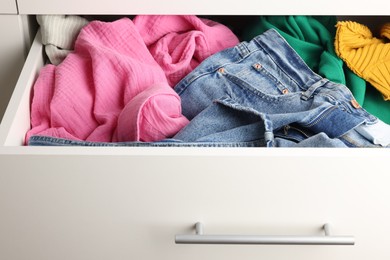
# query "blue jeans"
(259, 93)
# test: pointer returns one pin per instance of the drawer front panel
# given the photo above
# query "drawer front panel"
(131, 207)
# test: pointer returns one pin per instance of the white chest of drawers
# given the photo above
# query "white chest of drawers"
(129, 203)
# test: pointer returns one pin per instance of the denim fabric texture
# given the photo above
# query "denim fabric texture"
(314, 141)
(259, 94)
(267, 82)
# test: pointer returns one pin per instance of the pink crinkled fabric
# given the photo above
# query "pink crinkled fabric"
(179, 43)
(117, 84)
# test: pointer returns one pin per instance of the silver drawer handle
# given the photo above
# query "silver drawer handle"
(200, 238)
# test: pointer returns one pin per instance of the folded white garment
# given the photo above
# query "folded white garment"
(59, 33)
(378, 133)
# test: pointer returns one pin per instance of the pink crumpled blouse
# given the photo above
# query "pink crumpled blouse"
(117, 84)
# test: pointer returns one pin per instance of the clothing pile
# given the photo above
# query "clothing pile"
(189, 81)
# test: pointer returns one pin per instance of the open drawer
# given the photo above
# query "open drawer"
(129, 202)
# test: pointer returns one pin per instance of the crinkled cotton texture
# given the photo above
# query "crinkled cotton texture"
(117, 83)
(179, 43)
(366, 55)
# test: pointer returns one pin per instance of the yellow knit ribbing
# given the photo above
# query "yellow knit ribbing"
(365, 55)
(385, 31)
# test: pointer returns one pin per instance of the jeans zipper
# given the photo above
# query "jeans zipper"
(288, 127)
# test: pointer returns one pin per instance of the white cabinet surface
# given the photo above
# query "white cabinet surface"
(244, 7)
(129, 203)
(8, 7)
(12, 56)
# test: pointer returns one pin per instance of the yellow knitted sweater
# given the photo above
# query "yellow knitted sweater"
(365, 55)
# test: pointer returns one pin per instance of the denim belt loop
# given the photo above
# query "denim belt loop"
(268, 136)
(243, 49)
(309, 92)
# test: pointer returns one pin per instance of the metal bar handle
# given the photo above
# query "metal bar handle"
(200, 238)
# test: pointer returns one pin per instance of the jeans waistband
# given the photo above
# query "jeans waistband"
(283, 55)
(277, 49)
(293, 66)
(40, 140)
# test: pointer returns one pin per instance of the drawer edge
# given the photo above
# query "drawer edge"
(16, 120)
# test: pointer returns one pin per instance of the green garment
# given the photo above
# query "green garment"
(312, 37)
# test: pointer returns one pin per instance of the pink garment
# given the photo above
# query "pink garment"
(179, 43)
(117, 84)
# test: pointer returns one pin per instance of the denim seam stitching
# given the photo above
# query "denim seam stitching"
(182, 89)
(321, 116)
(263, 71)
(185, 87)
(46, 140)
(250, 89)
(277, 63)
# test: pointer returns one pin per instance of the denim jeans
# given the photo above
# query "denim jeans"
(259, 93)
(265, 81)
